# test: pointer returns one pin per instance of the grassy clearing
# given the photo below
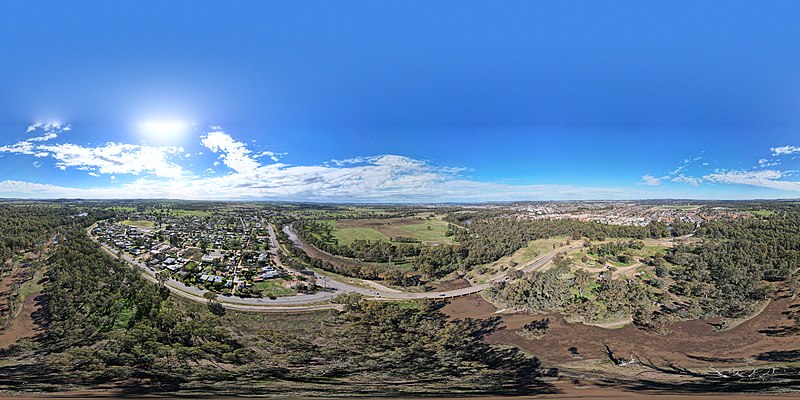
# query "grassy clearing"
(349, 235)
(121, 208)
(190, 213)
(274, 288)
(652, 247)
(535, 249)
(124, 317)
(763, 213)
(429, 231)
(139, 223)
(31, 287)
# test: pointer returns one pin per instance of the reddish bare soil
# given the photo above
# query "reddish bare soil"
(23, 326)
(452, 284)
(689, 343)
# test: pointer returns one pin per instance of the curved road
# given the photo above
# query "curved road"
(398, 295)
(321, 299)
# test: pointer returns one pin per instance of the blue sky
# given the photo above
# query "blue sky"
(400, 100)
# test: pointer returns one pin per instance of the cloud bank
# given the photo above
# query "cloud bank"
(233, 171)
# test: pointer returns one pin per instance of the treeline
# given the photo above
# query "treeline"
(299, 259)
(320, 234)
(731, 269)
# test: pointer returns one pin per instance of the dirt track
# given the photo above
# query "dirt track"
(23, 326)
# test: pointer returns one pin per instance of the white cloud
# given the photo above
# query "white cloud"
(687, 179)
(272, 155)
(764, 178)
(111, 158)
(117, 158)
(28, 146)
(23, 147)
(681, 167)
(763, 163)
(234, 154)
(650, 180)
(44, 138)
(783, 150)
(381, 178)
(51, 130)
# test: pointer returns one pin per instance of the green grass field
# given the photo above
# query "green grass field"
(349, 235)
(427, 231)
(139, 224)
(763, 213)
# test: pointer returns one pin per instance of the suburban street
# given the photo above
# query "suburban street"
(321, 299)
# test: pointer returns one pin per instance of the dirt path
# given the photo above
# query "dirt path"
(23, 326)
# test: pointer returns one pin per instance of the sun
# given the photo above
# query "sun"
(163, 130)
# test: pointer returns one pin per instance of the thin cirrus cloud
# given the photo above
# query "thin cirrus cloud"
(764, 178)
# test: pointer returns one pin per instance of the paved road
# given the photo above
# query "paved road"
(316, 301)
(394, 294)
(304, 302)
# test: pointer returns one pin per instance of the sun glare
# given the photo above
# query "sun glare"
(163, 130)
